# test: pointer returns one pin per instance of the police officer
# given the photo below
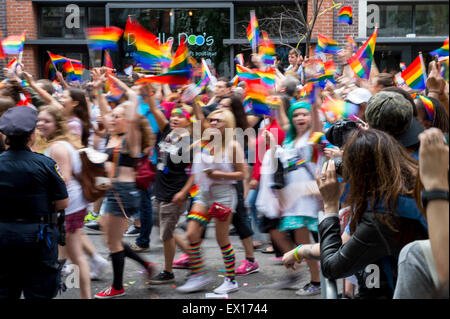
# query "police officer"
(32, 190)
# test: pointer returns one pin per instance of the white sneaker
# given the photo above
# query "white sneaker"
(227, 287)
(195, 283)
(98, 266)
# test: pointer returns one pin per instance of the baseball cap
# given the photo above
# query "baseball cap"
(18, 121)
(393, 113)
(358, 96)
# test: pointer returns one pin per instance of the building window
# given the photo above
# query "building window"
(401, 20)
(204, 30)
(57, 22)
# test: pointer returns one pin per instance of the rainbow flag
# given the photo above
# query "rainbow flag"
(253, 31)
(206, 75)
(2, 53)
(114, 92)
(49, 70)
(11, 63)
(326, 45)
(361, 61)
(108, 61)
(235, 81)
(57, 58)
(148, 52)
(415, 75)
(442, 51)
(256, 98)
(166, 50)
(102, 38)
(267, 77)
(180, 70)
(13, 44)
(429, 107)
(345, 15)
(194, 191)
(352, 42)
(73, 69)
(402, 66)
(340, 108)
(316, 138)
(266, 49)
(245, 74)
(239, 59)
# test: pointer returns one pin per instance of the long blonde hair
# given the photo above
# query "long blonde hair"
(61, 132)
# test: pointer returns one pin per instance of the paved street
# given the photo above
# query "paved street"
(252, 286)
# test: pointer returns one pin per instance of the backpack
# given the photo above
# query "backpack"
(92, 169)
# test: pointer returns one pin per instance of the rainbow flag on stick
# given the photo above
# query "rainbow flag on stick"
(253, 31)
(429, 107)
(361, 61)
(256, 98)
(442, 51)
(415, 75)
(345, 15)
(206, 75)
(57, 58)
(266, 49)
(180, 71)
(340, 108)
(101, 38)
(326, 45)
(13, 44)
(245, 74)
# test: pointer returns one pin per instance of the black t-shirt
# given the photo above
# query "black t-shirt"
(174, 160)
(29, 184)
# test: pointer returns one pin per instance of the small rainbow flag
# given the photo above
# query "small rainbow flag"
(316, 137)
(11, 63)
(266, 49)
(108, 61)
(402, 66)
(239, 59)
(267, 77)
(13, 44)
(166, 50)
(256, 98)
(429, 107)
(326, 45)
(414, 75)
(194, 191)
(245, 74)
(206, 75)
(253, 31)
(442, 51)
(2, 53)
(73, 69)
(340, 108)
(180, 70)
(297, 163)
(49, 70)
(101, 38)
(361, 61)
(352, 42)
(345, 15)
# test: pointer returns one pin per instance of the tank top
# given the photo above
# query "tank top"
(203, 160)
(77, 201)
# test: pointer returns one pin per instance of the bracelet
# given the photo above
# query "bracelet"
(296, 252)
(99, 92)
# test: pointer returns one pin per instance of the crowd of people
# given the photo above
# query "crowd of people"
(370, 191)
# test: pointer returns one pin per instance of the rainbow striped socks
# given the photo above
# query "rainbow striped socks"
(229, 259)
(196, 264)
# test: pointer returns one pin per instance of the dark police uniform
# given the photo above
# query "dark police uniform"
(29, 184)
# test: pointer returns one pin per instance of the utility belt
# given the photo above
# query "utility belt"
(55, 220)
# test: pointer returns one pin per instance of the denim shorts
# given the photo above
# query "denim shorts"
(129, 197)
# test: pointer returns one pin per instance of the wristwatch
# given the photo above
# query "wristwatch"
(426, 196)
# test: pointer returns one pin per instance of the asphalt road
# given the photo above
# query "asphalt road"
(253, 286)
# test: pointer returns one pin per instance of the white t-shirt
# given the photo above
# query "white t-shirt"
(77, 201)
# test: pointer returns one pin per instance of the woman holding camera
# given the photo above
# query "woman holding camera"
(381, 175)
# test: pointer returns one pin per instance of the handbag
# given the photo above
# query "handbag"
(145, 173)
(219, 211)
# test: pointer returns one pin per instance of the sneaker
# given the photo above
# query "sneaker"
(98, 267)
(227, 287)
(65, 271)
(151, 270)
(309, 290)
(139, 249)
(182, 262)
(91, 216)
(93, 226)
(247, 268)
(132, 231)
(195, 283)
(163, 277)
(110, 293)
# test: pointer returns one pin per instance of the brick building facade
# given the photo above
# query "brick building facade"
(44, 23)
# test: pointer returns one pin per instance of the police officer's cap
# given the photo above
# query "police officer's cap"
(18, 121)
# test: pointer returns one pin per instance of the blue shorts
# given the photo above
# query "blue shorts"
(129, 196)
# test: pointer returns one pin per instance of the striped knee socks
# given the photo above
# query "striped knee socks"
(229, 260)
(196, 264)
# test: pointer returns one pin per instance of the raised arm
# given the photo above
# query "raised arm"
(48, 99)
(148, 95)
